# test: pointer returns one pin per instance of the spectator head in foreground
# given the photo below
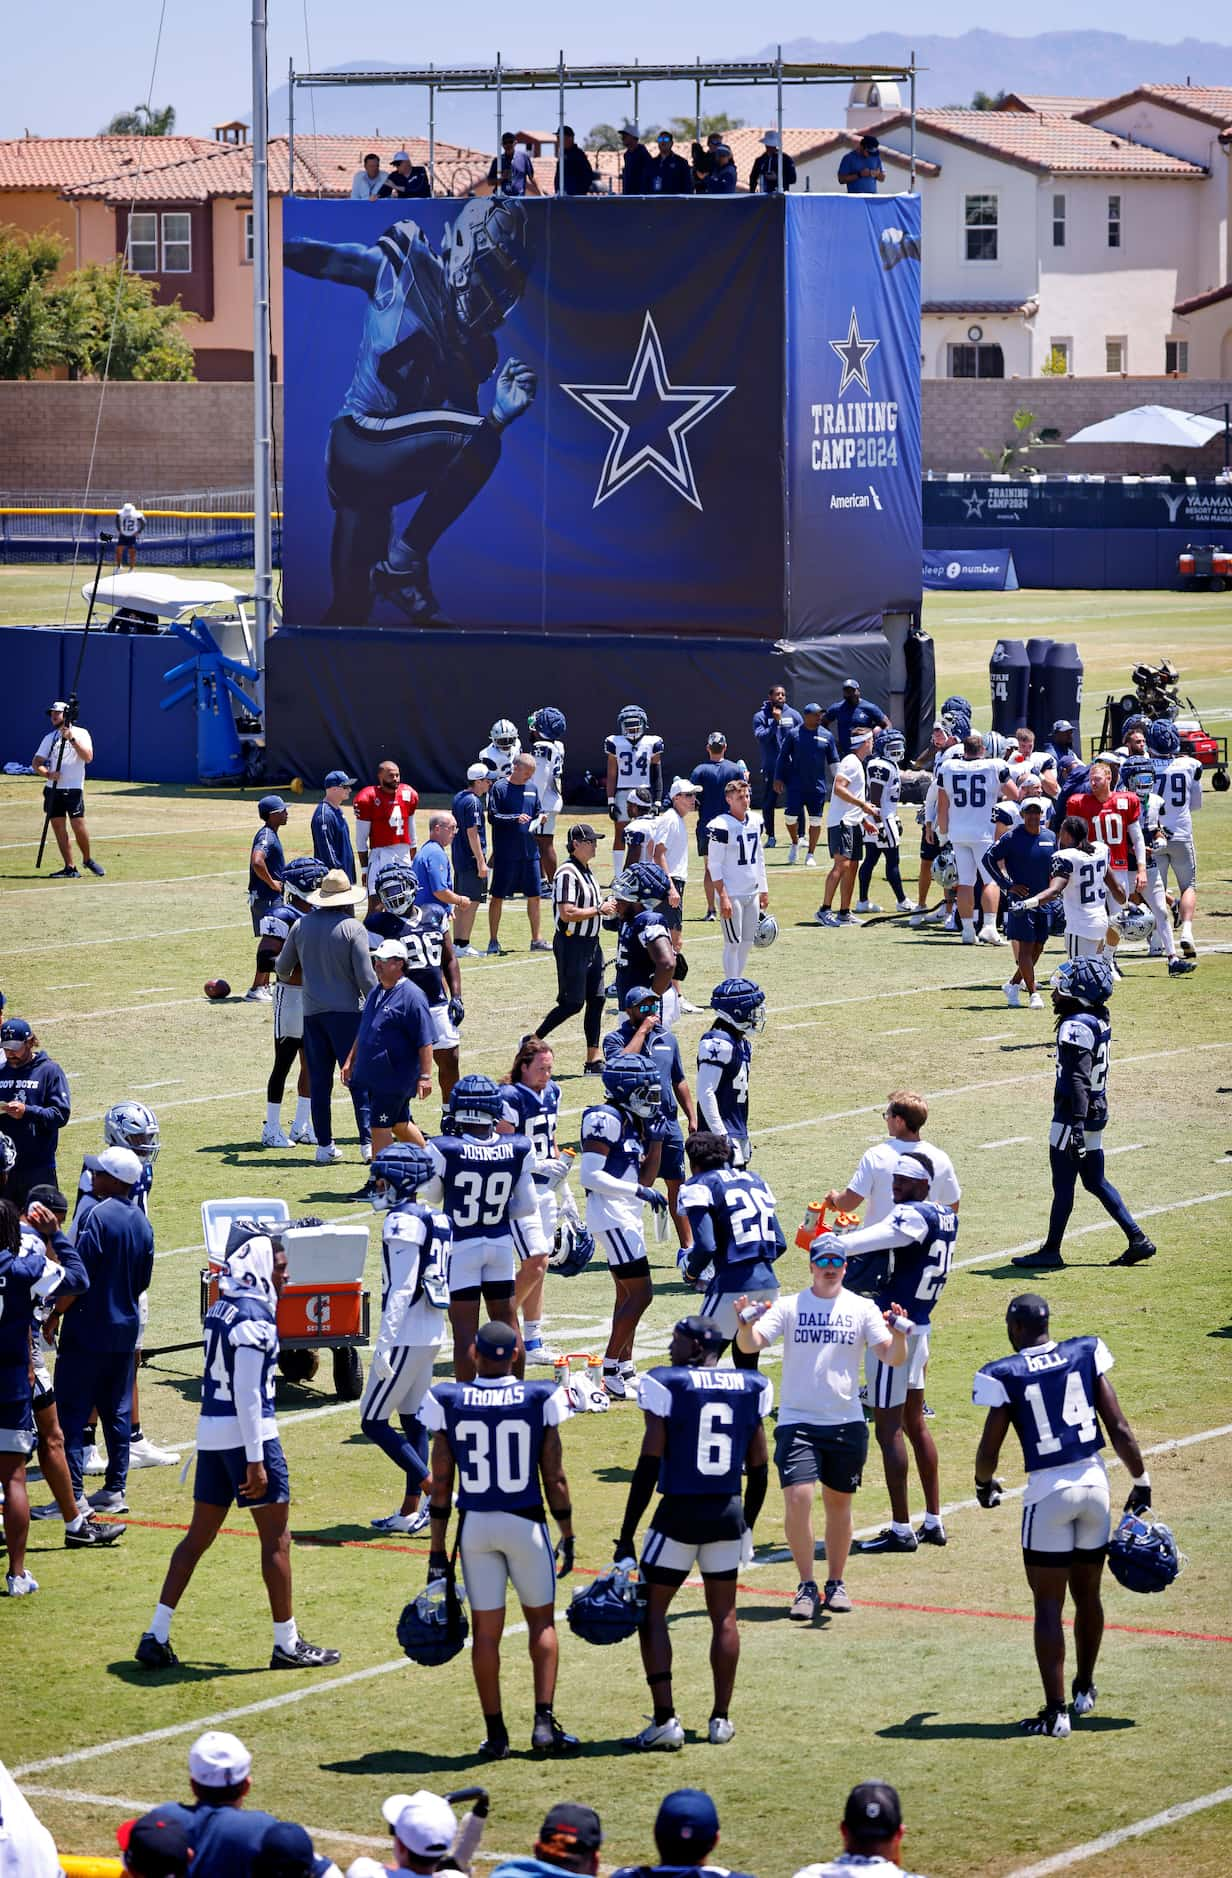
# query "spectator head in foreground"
(570, 1837)
(219, 1766)
(872, 1823)
(286, 1851)
(424, 1827)
(155, 1846)
(686, 1827)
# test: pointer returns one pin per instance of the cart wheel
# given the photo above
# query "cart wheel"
(348, 1374)
(298, 1365)
(1220, 781)
(1216, 584)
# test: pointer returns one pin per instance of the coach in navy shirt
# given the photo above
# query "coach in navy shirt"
(34, 1107)
(98, 1338)
(469, 849)
(850, 711)
(770, 722)
(331, 838)
(391, 1059)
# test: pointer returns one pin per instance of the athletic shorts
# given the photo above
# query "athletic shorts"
(61, 802)
(1080, 945)
(1059, 1133)
(624, 1248)
(845, 841)
(143, 1317)
(514, 875)
(887, 1387)
(1030, 926)
(721, 1305)
(673, 916)
(834, 1456)
(444, 1031)
(669, 1560)
(1179, 856)
(15, 1437)
(499, 1549)
(386, 1109)
(1070, 1525)
(381, 858)
(805, 798)
(671, 1157)
(969, 859)
(466, 880)
(482, 1265)
(929, 850)
(288, 1012)
(398, 1380)
(221, 1473)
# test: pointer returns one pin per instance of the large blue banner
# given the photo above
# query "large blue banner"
(853, 351)
(977, 502)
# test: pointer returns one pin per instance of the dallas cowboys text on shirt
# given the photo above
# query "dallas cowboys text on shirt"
(824, 1326)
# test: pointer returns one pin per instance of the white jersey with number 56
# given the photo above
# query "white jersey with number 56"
(972, 785)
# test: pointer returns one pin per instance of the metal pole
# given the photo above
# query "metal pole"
(697, 102)
(263, 585)
(560, 130)
(290, 127)
(637, 121)
(432, 135)
(913, 120)
(779, 86)
(498, 118)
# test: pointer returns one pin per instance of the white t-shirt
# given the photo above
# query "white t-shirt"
(972, 785)
(72, 767)
(1022, 768)
(851, 772)
(874, 1177)
(673, 832)
(824, 1340)
(1180, 786)
(849, 1863)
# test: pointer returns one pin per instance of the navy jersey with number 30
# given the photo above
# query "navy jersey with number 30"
(711, 1416)
(495, 1427)
(1050, 1392)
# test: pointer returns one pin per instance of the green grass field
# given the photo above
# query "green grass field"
(923, 1683)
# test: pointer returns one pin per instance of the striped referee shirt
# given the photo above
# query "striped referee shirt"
(575, 885)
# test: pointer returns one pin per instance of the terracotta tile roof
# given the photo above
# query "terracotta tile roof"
(1047, 145)
(54, 162)
(323, 165)
(1199, 300)
(1051, 106)
(1211, 103)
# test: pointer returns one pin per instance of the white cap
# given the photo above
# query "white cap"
(1033, 802)
(122, 1164)
(1107, 756)
(366, 1867)
(907, 1167)
(681, 786)
(217, 1759)
(391, 949)
(477, 772)
(424, 1823)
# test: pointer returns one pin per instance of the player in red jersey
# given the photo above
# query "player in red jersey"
(385, 824)
(1114, 816)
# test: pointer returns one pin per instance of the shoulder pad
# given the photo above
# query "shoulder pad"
(1061, 867)
(601, 1124)
(716, 1047)
(1074, 1031)
(609, 744)
(253, 1333)
(908, 1219)
(695, 1193)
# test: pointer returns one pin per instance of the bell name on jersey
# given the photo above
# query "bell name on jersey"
(1050, 1392)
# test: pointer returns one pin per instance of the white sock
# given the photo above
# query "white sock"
(286, 1636)
(932, 1519)
(273, 1115)
(75, 1525)
(968, 925)
(160, 1623)
(530, 1330)
(627, 1369)
(903, 1531)
(1187, 930)
(303, 1111)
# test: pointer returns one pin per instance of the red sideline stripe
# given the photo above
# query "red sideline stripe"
(759, 1590)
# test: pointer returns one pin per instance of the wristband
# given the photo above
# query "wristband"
(560, 1513)
(439, 1512)
(1143, 1480)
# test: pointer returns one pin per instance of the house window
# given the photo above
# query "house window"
(143, 244)
(248, 238)
(1060, 353)
(1114, 221)
(969, 361)
(1176, 356)
(980, 223)
(1114, 355)
(1058, 221)
(177, 244)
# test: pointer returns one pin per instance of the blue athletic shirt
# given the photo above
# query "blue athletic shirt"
(732, 1214)
(732, 1055)
(918, 1271)
(633, 939)
(231, 1325)
(533, 1113)
(1050, 1393)
(1084, 1051)
(712, 779)
(661, 1050)
(468, 812)
(478, 1180)
(27, 1279)
(1024, 858)
(495, 1427)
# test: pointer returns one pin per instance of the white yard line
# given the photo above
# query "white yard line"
(1099, 1225)
(1171, 1816)
(1129, 1147)
(122, 886)
(100, 836)
(121, 939)
(1010, 1141)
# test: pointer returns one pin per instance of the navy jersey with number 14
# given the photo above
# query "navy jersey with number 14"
(711, 1417)
(1050, 1393)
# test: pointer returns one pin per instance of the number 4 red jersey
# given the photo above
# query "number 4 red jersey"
(389, 814)
(1109, 821)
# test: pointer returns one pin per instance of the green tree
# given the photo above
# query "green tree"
(989, 100)
(28, 332)
(685, 129)
(148, 342)
(1008, 457)
(603, 137)
(141, 121)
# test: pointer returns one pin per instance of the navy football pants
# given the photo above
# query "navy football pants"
(1066, 1173)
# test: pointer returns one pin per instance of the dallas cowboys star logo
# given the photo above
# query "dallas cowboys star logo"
(649, 418)
(975, 508)
(854, 352)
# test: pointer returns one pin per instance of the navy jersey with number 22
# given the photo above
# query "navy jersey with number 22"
(711, 1417)
(1050, 1393)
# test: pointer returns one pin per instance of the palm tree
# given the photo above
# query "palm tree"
(142, 122)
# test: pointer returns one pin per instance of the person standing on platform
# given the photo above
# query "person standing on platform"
(469, 849)
(637, 167)
(669, 173)
(331, 838)
(61, 760)
(860, 170)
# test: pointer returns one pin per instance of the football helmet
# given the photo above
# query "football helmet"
(608, 1610)
(396, 888)
(958, 706)
(1088, 982)
(631, 722)
(434, 1626)
(8, 1154)
(741, 1002)
(644, 881)
(573, 1249)
(1138, 776)
(994, 743)
(945, 869)
(487, 260)
(1143, 1555)
(890, 744)
(957, 723)
(503, 734)
(476, 1099)
(397, 1173)
(548, 722)
(1163, 737)
(1137, 720)
(1134, 922)
(767, 931)
(132, 1125)
(303, 875)
(631, 1083)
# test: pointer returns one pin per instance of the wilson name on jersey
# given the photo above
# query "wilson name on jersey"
(1084, 1048)
(918, 1270)
(478, 1179)
(231, 1325)
(1050, 1393)
(495, 1427)
(711, 1415)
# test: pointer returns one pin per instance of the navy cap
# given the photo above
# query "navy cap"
(338, 779)
(270, 805)
(156, 1845)
(872, 1811)
(686, 1824)
(496, 1339)
(1062, 723)
(14, 1032)
(851, 684)
(807, 708)
(703, 1330)
(638, 994)
(286, 1851)
(715, 737)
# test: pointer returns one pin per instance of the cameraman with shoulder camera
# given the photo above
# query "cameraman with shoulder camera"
(61, 758)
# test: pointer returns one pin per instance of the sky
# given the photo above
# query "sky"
(69, 67)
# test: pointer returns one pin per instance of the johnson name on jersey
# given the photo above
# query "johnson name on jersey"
(1050, 1392)
(711, 1416)
(495, 1427)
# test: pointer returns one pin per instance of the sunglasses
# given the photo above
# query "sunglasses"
(832, 1261)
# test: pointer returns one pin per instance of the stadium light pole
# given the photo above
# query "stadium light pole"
(262, 402)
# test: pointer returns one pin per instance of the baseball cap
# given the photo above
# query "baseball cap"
(14, 1032)
(714, 137)
(1033, 802)
(851, 684)
(771, 140)
(400, 156)
(872, 1810)
(639, 994)
(582, 831)
(496, 1339)
(58, 704)
(121, 1164)
(477, 771)
(664, 136)
(681, 786)
(570, 1828)
(50, 1197)
(217, 1759)
(687, 1821)
(286, 1851)
(156, 1845)
(703, 1330)
(270, 805)
(716, 736)
(629, 130)
(338, 779)
(391, 949)
(722, 149)
(1062, 723)
(1108, 756)
(812, 707)
(424, 1823)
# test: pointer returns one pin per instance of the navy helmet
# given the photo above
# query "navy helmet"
(303, 875)
(741, 1002)
(609, 1610)
(1089, 982)
(890, 744)
(397, 1173)
(573, 1249)
(643, 880)
(632, 1083)
(1138, 775)
(631, 721)
(548, 722)
(1143, 1555)
(1163, 737)
(433, 1627)
(476, 1099)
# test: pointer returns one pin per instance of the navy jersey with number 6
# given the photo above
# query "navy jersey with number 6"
(919, 1267)
(231, 1325)
(1050, 1393)
(1084, 1050)
(711, 1416)
(495, 1426)
(732, 1214)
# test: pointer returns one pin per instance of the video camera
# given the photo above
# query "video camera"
(72, 705)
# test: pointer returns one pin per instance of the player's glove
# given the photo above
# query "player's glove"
(1077, 1144)
(1139, 1500)
(457, 1011)
(1029, 904)
(747, 1547)
(989, 1492)
(612, 811)
(657, 1202)
(564, 1556)
(515, 392)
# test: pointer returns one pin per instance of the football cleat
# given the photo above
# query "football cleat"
(330, 1152)
(146, 1453)
(108, 1502)
(1083, 1699)
(92, 867)
(547, 1737)
(303, 1655)
(810, 860)
(65, 873)
(1179, 968)
(918, 916)
(258, 994)
(614, 1383)
(94, 1461)
(666, 1736)
(24, 1585)
(989, 936)
(1139, 1249)
(1011, 995)
(403, 1522)
(930, 1535)
(1045, 1260)
(493, 1749)
(1049, 1721)
(806, 1603)
(1035, 1002)
(151, 1654)
(866, 906)
(538, 1352)
(720, 1731)
(792, 852)
(836, 1597)
(888, 1540)
(1188, 948)
(303, 1135)
(92, 1532)
(273, 1137)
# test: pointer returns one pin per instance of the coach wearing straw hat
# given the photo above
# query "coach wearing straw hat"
(330, 946)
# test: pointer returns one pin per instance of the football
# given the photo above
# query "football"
(216, 989)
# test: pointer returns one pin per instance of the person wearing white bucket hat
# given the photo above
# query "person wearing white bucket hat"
(331, 948)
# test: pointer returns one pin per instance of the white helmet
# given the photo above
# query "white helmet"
(945, 869)
(1134, 922)
(767, 931)
(504, 734)
(132, 1125)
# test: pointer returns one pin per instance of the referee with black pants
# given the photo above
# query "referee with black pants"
(579, 911)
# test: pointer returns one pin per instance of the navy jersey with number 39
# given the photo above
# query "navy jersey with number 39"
(711, 1417)
(1050, 1393)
